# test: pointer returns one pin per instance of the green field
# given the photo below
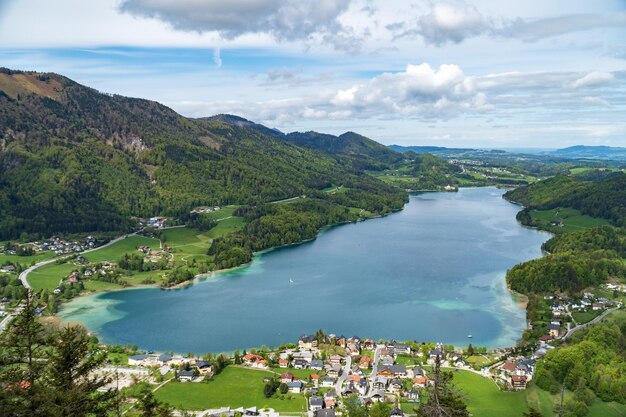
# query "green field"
(585, 316)
(234, 387)
(25, 260)
(49, 276)
(222, 213)
(571, 219)
(484, 399)
(187, 244)
(115, 251)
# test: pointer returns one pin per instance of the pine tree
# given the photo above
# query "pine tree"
(73, 385)
(22, 360)
(442, 399)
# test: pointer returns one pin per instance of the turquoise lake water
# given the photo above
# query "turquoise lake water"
(431, 272)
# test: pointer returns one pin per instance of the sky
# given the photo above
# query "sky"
(491, 74)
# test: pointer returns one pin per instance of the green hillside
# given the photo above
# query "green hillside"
(75, 160)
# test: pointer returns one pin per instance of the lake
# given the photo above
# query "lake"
(434, 271)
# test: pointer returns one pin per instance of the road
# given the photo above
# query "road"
(589, 323)
(24, 275)
(343, 376)
(8, 318)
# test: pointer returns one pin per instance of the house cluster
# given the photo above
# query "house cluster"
(590, 301)
(516, 373)
(151, 255)
(367, 369)
(155, 222)
(188, 369)
(612, 286)
(205, 209)
(62, 247)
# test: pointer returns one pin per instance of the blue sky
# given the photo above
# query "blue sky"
(454, 73)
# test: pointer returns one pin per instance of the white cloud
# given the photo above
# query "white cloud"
(599, 101)
(455, 21)
(593, 79)
(447, 22)
(284, 20)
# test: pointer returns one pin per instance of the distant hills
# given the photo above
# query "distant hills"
(591, 152)
(572, 152)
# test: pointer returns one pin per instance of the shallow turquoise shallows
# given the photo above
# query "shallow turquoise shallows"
(432, 272)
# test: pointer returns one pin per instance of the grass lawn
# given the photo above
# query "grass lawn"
(234, 387)
(114, 252)
(225, 227)
(572, 220)
(302, 374)
(582, 317)
(407, 360)
(222, 213)
(484, 399)
(49, 276)
(478, 360)
(26, 260)
(100, 285)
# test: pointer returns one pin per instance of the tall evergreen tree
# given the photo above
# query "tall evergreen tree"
(71, 379)
(442, 400)
(22, 360)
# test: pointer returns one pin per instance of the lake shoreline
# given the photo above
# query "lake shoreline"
(520, 299)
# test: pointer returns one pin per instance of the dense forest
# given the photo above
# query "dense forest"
(76, 160)
(576, 260)
(273, 225)
(593, 365)
(605, 198)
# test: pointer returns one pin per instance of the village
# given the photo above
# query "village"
(322, 371)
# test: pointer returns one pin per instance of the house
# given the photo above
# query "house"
(378, 395)
(286, 377)
(316, 403)
(361, 386)
(365, 362)
(380, 383)
(138, 360)
(283, 363)
(386, 355)
(507, 368)
(295, 387)
(420, 381)
(305, 355)
(326, 412)
(341, 341)
(164, 358)
(316, 380)
(554, 329)
(335, 359)
(251, 359)
(8, 269)
(307, 342)
(518, 382)
(334, 371)
(396, 412)
(369, 344)
(300, 364)
(395, 386)
(185, 376)
(328, 382)
(398, 371)
(412, 395)
(317, 365)
(353, 349)
(400, 349)
(262, 364)
(204, 367)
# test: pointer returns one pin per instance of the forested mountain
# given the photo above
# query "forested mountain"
(360, 152)
(73, 159)
(605, 198)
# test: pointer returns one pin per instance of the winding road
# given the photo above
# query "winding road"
(589, 323)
